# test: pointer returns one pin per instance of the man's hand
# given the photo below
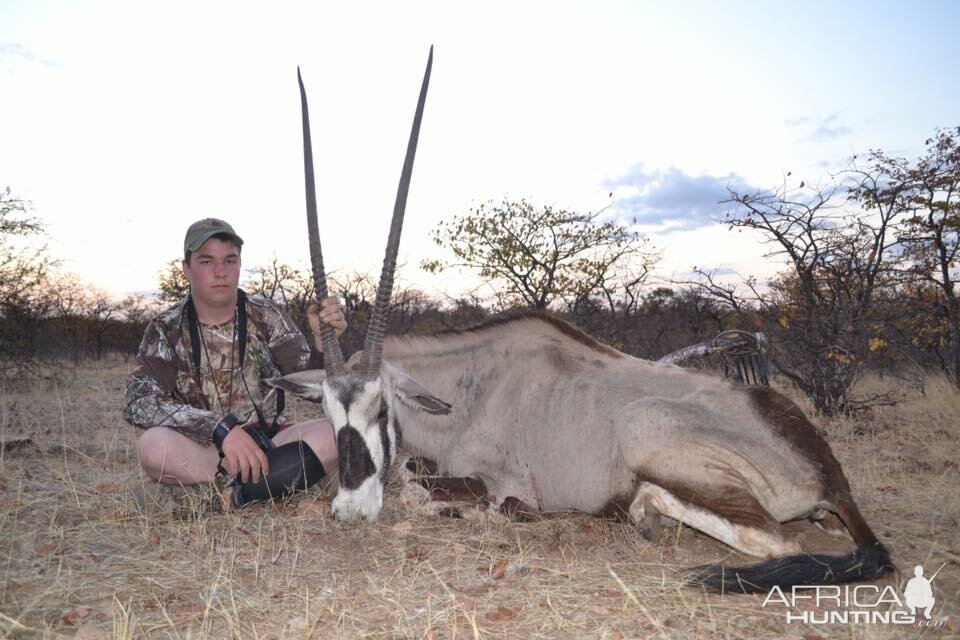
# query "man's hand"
(329, 313)
(243, 456)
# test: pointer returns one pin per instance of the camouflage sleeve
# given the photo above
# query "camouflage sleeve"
(151, 397)
(287, 345)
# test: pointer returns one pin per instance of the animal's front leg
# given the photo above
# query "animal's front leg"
(425, 489)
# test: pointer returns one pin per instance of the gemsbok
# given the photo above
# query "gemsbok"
(546, 418)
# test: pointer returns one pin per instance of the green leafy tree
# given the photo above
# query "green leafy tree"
(927, 195)
(536, 256)
(171, 283)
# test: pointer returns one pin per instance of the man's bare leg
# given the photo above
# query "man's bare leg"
(172, 458)
(318, 434)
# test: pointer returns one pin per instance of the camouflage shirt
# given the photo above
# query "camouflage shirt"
(163, 392)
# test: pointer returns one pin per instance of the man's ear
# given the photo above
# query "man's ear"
(305, 384)
(413, 394)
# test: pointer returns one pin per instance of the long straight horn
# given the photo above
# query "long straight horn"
(373, 347)
(332, 356)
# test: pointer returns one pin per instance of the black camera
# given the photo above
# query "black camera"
(229, 422)
(260, 436)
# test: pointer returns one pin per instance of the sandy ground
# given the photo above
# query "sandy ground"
(81, 559)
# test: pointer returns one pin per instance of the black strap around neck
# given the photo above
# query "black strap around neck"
(193, 326)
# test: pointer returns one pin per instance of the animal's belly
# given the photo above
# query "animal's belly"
(560, 483)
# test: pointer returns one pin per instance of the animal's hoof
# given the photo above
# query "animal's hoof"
(650, 523)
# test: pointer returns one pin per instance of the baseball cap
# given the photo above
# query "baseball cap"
(202, 230)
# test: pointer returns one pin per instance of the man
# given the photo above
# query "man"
(196, 383)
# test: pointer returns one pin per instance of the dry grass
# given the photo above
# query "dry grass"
(80, 559)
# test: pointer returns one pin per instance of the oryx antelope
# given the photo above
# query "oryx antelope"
(551, 419)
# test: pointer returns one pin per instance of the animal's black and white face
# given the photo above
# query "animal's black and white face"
(364, 418)
(359, 403)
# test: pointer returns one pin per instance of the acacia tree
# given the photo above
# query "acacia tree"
(821, 312)
(536, 256)
(23, 271)
(279, 281)
(85, 321)
(134, 313)
(409, 309)
(927, 194)
(172, 285)
(293, 289)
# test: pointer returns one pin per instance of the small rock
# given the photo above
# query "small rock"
(74, 615)
(51, 548)
(503, 613)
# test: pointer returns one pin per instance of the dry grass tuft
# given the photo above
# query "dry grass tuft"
(82, 559)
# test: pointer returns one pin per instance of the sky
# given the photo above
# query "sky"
(124, 122)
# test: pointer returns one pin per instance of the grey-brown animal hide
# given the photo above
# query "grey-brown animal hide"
(563, 422)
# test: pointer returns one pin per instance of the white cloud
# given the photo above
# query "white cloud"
(671, 198)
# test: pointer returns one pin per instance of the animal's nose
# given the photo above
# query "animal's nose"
(346, 515)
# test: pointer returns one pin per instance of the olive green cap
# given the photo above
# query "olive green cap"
(202, 230)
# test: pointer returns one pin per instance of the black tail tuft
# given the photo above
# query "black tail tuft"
(866, 563)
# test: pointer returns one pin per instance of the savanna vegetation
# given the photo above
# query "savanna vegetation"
(864, 327)
(869, 283)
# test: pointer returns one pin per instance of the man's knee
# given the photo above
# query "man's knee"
(152, 446)
(165, 453)
(318, 434)
(321, 439)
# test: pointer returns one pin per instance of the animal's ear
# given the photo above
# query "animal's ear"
(413, 394)
(305, 384)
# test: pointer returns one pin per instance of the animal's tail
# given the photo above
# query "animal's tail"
(870, 561)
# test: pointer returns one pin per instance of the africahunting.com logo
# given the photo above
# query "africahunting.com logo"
(860, 604)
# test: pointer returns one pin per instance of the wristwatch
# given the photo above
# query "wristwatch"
(226, 424)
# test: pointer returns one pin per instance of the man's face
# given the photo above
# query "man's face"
(214, 272)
